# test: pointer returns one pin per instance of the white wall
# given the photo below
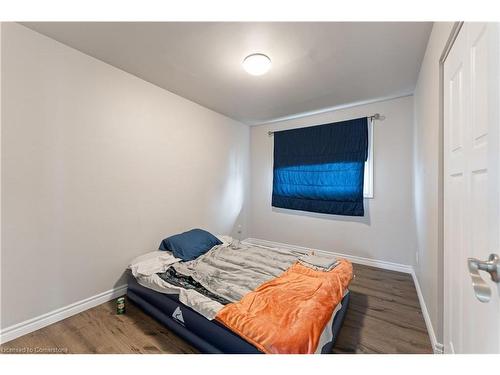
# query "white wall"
(97, 167)
(387, 232)
(428, 139)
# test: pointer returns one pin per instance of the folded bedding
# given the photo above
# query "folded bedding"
(318, 262)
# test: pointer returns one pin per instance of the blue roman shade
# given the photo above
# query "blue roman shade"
(321, 168)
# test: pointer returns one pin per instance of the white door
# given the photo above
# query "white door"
(471, 187)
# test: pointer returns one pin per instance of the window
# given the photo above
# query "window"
(322, 168)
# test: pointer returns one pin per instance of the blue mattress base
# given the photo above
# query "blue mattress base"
(208, 336)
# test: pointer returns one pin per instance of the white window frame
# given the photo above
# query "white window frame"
(368, 179)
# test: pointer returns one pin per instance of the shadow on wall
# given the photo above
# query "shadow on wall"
(238, 229)
(122, 280)
(353, 219)
(229, 208)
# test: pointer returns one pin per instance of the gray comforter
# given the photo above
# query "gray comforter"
(226, 271)
(233, 272)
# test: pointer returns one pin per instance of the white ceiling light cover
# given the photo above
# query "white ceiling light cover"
(257, 64)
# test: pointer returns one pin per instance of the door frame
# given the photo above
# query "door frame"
(457, 26)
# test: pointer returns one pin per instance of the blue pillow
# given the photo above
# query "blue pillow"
(191, 244)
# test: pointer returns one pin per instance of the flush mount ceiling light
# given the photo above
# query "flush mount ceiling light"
(257, 64)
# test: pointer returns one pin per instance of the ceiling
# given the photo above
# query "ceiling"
(314, 65)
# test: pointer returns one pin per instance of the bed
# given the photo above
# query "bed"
(190, 310)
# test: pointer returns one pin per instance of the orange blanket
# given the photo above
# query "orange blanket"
(288, 314)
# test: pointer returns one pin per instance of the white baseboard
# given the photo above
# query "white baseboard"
(352, 258)
(28, 326)
(436, 346)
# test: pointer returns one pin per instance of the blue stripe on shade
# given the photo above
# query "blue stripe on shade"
(321, 168)
(334, 188)
(331, 181)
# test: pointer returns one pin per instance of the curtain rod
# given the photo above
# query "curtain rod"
(375, 116)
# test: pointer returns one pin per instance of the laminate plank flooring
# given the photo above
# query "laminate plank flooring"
(384, 316)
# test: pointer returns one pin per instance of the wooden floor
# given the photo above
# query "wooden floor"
(384, 316)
